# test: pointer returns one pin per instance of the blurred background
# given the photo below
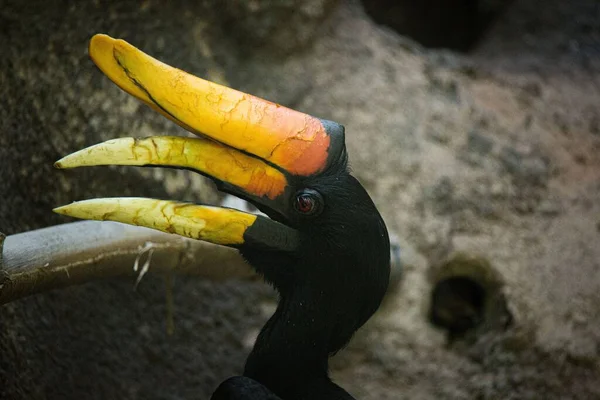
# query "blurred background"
(474, 124)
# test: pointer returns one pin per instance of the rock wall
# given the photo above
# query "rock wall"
(486, 165)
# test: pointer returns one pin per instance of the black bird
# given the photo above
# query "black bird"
(325, 248)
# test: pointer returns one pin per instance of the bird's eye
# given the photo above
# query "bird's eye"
(308, 202)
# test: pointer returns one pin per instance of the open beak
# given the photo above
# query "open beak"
(250, 147)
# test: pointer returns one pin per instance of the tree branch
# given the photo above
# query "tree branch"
(80, 252)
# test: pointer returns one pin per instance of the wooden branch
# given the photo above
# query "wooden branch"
(80, 252)
(85, 251)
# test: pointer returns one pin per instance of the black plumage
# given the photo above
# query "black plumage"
(327, 289)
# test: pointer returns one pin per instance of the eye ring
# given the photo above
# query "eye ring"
(308, 202)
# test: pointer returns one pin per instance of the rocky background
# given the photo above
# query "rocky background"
(485, 162)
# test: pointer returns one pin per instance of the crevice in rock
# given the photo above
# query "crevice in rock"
(451, 24)
(467, 298)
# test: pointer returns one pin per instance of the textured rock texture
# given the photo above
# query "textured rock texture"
(491, 159)
(276, 27)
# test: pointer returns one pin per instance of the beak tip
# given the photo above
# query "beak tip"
(99, 39)
(101, 46)
(60, 210)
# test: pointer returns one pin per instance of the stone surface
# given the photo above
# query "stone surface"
(274, 27)
(526, 199)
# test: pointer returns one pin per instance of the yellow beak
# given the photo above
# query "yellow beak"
(250, 147)
(291, 140)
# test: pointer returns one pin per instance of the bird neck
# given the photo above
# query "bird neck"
(291, 339)
(292, 350)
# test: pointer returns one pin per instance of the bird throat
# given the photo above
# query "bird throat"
(292, 350)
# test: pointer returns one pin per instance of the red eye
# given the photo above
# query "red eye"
(304, 204)
(308, 202)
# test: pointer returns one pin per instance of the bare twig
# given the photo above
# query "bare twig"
(80, 252)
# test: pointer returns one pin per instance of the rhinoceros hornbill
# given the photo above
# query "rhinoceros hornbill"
(323, 246)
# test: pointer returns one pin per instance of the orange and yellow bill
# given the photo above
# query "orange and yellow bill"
(217, 225)
(293, 141)
(252, 175)
(250, 147)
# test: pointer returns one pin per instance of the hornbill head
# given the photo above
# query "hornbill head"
(323, 232)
